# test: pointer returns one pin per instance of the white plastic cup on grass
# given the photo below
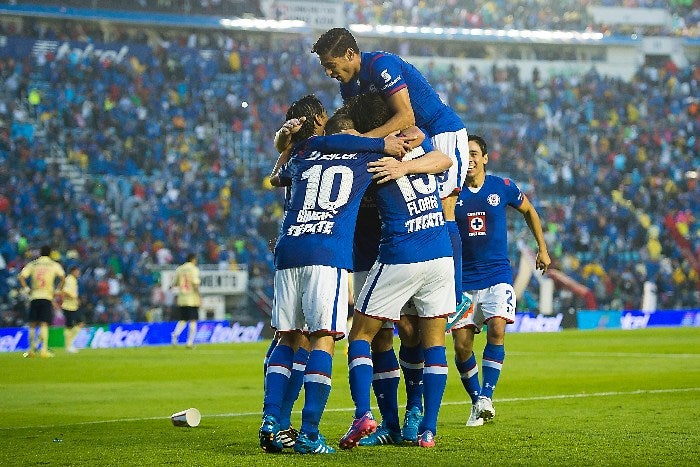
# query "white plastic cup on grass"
(190, 417)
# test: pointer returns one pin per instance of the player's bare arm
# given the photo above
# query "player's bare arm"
(403, 117)
(542, 261)
(281, 160)
(388, 168)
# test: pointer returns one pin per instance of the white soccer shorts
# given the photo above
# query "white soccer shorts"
(495, 301)
(455, 145)
(428, 284)
(313, 295)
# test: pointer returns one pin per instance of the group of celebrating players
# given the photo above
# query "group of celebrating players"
(393, 188)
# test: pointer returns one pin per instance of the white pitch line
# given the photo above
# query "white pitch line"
(613, 354)
(348, 409)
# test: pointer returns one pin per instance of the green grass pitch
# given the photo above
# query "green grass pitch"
(584, 398)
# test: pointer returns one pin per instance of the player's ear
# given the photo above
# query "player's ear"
(486, 158)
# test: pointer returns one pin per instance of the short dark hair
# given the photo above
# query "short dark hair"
(368, 111)
(308, 106)
(73, 268)
(335, 42)
(338, 122)
(45, 250)
(480, 141)
(190, 256)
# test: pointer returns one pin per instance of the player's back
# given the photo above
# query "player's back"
(321, 208)
(186, 277)
(43, 273)
(413, 225)
(387, 73)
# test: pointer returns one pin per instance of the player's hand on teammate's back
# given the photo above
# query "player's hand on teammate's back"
(396, 145)
(386, 169)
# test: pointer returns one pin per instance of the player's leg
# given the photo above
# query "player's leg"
(180, 326)
(44, 339)
(325, 311)
(193, 316)
(385, 383)
(273, 344)
(32, 336)
(498, 309)
(411, 358)
(361, 371)
(317, 388)
(434, 377)
(287, 434)
(465, 361)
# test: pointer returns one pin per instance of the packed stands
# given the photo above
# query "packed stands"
(170, 145)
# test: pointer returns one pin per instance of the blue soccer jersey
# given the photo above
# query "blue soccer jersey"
(321, 207)
(481, 218)
(413, 226)
(386, 73)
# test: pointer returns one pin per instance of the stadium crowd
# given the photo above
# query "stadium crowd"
(175, 144)
(566, 15)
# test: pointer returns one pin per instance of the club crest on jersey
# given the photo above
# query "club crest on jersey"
(493, 199)
(477, 223)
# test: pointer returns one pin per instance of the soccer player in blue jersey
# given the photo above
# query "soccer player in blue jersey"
(487, 274)
(312, 257)
(414, 264)
(412, 101)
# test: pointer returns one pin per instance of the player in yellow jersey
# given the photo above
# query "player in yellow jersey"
(188, 299)
(42, 274)
(71, 309)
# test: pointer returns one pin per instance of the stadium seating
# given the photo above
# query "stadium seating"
(125, 166)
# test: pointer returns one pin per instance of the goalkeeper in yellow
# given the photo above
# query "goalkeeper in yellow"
(42, 274)
(188, 299)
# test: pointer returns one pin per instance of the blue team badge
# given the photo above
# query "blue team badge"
(493, 199)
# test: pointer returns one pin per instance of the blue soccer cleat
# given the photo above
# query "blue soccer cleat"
(462, 309)
(411, 421)
(382, 436)
(267, 434)
(304, 445)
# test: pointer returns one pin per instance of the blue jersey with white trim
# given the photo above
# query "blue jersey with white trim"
(321, 206)
(481, 218)
(386, 73)
(413, 226)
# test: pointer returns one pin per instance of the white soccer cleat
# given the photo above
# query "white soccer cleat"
(485, 406)
(71, 349)
(475, 416)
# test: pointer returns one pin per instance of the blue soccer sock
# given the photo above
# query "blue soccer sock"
(266, 361)
(469, 374)
(456, 241)
(360, 375)
(385, 383)
(491, 366)
(434, 381)
(296, 380)
(317, 388)
(411, 359)
(279, 369)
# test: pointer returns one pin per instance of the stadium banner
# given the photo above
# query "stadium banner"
(19, 47)
(533, 322)
(212, 281)
(598, 319)
(636, 319)
(318, 13)
(134, 335)
(660, 318)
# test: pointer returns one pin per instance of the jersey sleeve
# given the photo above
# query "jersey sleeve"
(345, 143)
(514, 196)
(427, 143)
(285, 175)
(385, 74)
